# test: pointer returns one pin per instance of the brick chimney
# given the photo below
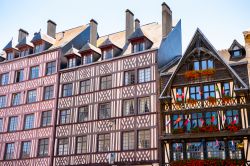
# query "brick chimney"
(129, 23)
(22, 34)
(51, 28)
(93, 32)
(137, 23)
(166, 19)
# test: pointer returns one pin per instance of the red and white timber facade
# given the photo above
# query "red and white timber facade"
(117, 124)
(37, 132)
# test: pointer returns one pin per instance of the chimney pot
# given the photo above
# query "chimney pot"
(51, 28)
(93, 32)
(137, 23)
(22, 34)
(129, 23)
(166, 19)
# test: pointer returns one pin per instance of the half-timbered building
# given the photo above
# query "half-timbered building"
(205, 105)
(108, 95)
(28, 94)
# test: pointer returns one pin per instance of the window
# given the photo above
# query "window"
(38, 48)
(87, 59)
(63, 145)
(138, 46)
(203, 65)
(67, 90)
(108, 54)
(13, 123)
(195, 150)
(225, 89)
(177, 121)
(24, 52)
(16, 99)
(10, 55)
(128, 140)
(25, 149)
(232, 117)
(234, 151)
(2, 101)
(81, 144)
(103, 142)
(177, 151)
(72, 62)
(9, 151)
(128, 107)
(31, 96)
(43, 147)
(19, 76)
(129, 77)
(1, 124)
(83, 114)
(195, 120)
(104, 111)
(216, 149)
(236, 53)
(64, 116)
(179, 94)
(143, 105)
(195, 93)
(85, 86)
(211, 118)
(144, 75)
(208, 91)
(4, 79)
(28, 121)
(46, 118)
(106, 82)
(207, 64)
(51, 68)
(144, 139)
(48, 92)
(34, 72)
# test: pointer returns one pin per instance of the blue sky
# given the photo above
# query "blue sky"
(221, 21)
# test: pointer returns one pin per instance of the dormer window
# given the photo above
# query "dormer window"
(38, 48)
(236, 50)
(24, 52)
(87, 59)
(138, 46)
(108, 53)
(10, 55)
(72, 62)
(236, 53)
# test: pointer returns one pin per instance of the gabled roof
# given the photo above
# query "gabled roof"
(10, 45)
(235, 43)
(108, 42)
(199, 40)
(40, 36)
(88, 47)
(72, 51)
(138, 33)
(24, 42)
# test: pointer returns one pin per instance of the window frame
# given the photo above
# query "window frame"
(66, 91)
(3, 101)
(44, 146)
(50, 68)
(47, 95)
(16, 101)
(33, 98)
(105, 82)
(85, 84)
(65, 146)
(67, 116)
(27, 125)
(36, 73)
(22, 150)
(106, 142)
(146, 75)
(86, 109)
(14, 126)
(19, 76)
(148, 99)
(129, 79)
(145, 145)
(124, 107)
(130, 140)
(12, 151)
(4, 79)
(83, 144)
(47, 118)
(107, 109)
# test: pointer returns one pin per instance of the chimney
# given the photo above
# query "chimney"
(166, 19)
(93, 32)
(137, 23)
(22, 34)
(129, 23)
(51, 28)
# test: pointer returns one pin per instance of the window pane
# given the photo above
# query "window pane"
(144, 75)
(128, 140)
(9, 151)
(129, 77)
(34, 72)
(195, 150)
(216, 149)
(2, 101)
(67, 90)
(63, 145)
(46, 118)
(83, 114)
(64, 116)
(103, 143)
(81, 144)
(104, 111)
(196, 65)
(31, 96)
(177, 149)
(48, 92)
(25, 153)
(106, 82)
(128, 107)
(144, 139)
(85, 86)
(5, 79)
(29, 121)
(50, 68)
(13, 123)
(144, 105)
(43, 147)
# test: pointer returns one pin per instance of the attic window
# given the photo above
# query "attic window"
(24, 52)
(72, 62)
(108, 53)
(38, 48)
(10, 55)
(138, 46)
(87, 59)
(236, 53)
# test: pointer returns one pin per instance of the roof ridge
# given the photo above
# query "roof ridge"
(73, 28)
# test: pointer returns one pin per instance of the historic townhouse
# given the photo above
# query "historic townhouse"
(77, 98)
(108, 95)
(205, 105)
(28, 92)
